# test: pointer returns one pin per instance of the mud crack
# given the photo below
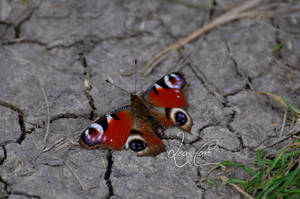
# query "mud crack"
(107, 174)
(4, 155)
(63, 116)
(277, 53)
(88, 87)
(9, 191)
(212, 10)
(198, 184)
(232, 130)
(21, 120)
(24, 40)
(18, 25)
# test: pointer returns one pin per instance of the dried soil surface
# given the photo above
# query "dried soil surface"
(52, 49)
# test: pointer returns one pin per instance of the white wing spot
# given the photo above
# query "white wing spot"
(157, 86)
(99, 128)
(108, 117)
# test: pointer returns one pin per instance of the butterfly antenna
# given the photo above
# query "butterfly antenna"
(107, 81)
(135, 72)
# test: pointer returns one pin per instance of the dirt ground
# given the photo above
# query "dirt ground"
(56, 55)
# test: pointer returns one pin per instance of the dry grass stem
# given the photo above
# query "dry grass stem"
(283, 122)
(103, 162)
(277, 98)
(290, 134)
(248, 8)
(63, 144)
(225, 180)
(109, 78)
(76, 176)
(58, 142)
(48, 115)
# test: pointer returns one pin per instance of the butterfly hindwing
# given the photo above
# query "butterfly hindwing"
(167, 98)
(173, 116)
(144, 141)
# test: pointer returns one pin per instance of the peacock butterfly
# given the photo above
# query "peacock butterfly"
(139, 126)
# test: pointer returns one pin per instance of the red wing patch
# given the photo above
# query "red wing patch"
(110, 131)
(168, 92)
(118, 130)
(170, 98)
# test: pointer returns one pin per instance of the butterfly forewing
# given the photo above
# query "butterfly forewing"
(168, 92)
(110, 131)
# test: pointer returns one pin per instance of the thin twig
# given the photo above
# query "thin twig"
(156, 60)
(225, 179)
(291, 133)
(283, 122)
(48, 115)
(290, 68)
(76, 176)
(57, 142)
(103, 162)
(212, 169)
(135, 73)
(109, 78)
(235, 13)
(296, 137)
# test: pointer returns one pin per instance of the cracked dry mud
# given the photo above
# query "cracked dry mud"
(56, 46)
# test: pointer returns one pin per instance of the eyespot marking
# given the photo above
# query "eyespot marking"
(180, 118)
(137, 145)
(93, 134)
(174, 80)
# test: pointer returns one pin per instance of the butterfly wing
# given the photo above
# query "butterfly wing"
(122, 129)
(168, 101)
(145, 142)
(109, 131)
(167, 92)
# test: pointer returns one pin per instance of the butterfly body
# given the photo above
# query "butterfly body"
(140, 125)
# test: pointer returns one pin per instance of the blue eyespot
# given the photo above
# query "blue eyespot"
(180, 118)
(137, 145)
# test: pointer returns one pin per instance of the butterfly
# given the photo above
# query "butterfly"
(140, 126)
